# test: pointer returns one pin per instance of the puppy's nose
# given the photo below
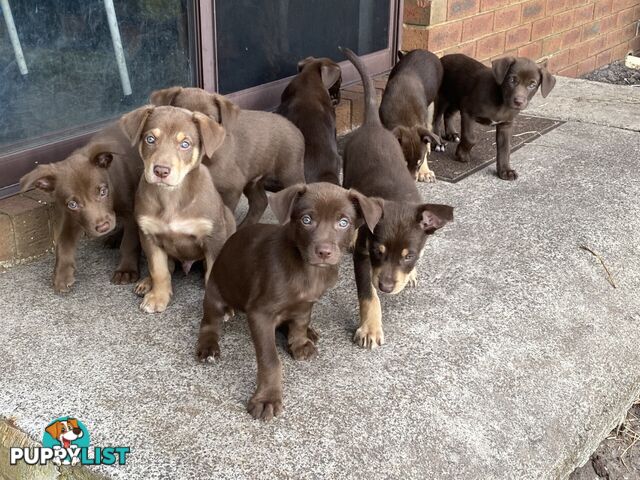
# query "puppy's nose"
(77, 431)
(386, 286)
(102, 227)
(161, 171)
(519, 102)
(323, 251)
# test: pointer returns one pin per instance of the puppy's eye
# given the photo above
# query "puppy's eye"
(185, 145)
(409, 258)
(344, 222)
(104, 191)
(513, 79)
(150, 139)
(72, 205)
(532, 85)
(306, 220)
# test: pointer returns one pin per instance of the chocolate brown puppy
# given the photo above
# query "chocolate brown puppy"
(386, 257)
(308, 104)
(275, 273)
(407, 108)
(178, 209)
(261, 150)
(92, 189)
(490, 96)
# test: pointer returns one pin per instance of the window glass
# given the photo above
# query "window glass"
(261, 41)
(69, 63)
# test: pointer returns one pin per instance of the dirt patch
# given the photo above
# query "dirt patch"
(617, 73)
(618, 456)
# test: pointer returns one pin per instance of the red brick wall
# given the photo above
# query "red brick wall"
(576, 36)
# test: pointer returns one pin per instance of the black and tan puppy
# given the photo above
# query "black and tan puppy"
(407, 108)
(275, 273)
(179, 211)
(386, 257)
(92, 189)
(490, 96)
(308, 104)
(261, 150)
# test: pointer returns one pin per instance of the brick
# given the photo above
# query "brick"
(571, 71)
(590, 30)
(586, 66)
(518, 36)
(468, 49)
(571, 37)
(620, 51)
(625, 17)
(417, 12)
(486, 5)
(7, 239)
(542, 28)
(438, 12)
(562, 21)
(532, 10)
(31, 225)
(583, 15)
(533, 50)
(478, 26)
(444, 36)
(608, 24)
(558, 61)
(462, 8)
(636, 12)
(507, 18)
(490, 46)
(551, 44)
(602, 8)
(634, 45)
(596, 45)
(578, 53)
(343, 116)
(413, 38)
(603, 58)
(614, 38)
(554, 6)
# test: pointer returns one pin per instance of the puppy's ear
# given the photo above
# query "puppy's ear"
(164, 96)
(402, 54)
(399, 132)
(73, 422)
(547, 81)
(55, 429)
(42, 177)
(282, 203)
(369, 208)
(227, 111)
(331, 74)
(428, 137)
(303, 62)
(102, 159)
(500, 67)
(431, 217)
(211, 133)
(133, 123)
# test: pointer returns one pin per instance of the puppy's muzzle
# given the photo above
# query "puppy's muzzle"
(325, 254)
(161, 171)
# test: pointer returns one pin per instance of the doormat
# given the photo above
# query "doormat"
(525, 130)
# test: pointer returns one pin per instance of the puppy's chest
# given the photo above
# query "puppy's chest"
(190, 228)
(312, 288)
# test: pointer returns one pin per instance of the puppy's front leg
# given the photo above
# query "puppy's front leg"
(66, 244)
(157, 299)
(258, 201)
(301, 346)
(503, 141)
(208, 347)
(127, 271)
(266, 402)
(369, 334)
(468, 139)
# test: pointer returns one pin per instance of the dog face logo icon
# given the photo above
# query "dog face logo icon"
(66, 433)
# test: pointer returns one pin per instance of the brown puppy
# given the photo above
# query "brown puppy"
(386, 257)
(407, 108)
(92, 188)
(491, 96)
(276, 273)
(261, 150)
(308, 104)
(178, 209)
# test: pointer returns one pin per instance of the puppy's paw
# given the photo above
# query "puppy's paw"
(63, 281)
(143, 287)
(412, 278)
(265, 406)
(369, 336)
(155, 302)
(452, 137)
(304, 351)
(428, 176)
(207, 350)
(440, 148)
(313, 334)
(463, 157)
(508, 174)
(123, 277)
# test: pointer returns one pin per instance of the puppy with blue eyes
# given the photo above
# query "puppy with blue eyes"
(275, 273)
(178, 209)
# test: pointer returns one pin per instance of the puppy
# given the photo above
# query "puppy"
(178, 209)
(261, 150)
(385, 257)
(308, 104)
(490, 96)
(407, 108)
(92, 188)
(275, 273)
(65, 432)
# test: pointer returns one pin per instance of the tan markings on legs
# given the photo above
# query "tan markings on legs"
(370, 334)
(157, 299)
(425, 174)
(430, 114)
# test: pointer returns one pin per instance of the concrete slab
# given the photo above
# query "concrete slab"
(592, 102)
(512, 359)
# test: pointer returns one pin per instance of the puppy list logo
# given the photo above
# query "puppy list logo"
(66, 442)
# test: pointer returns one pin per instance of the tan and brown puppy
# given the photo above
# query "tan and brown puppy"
(92, 188)
(261, 150)
(178, 209)
(275, 273)
(308, 101)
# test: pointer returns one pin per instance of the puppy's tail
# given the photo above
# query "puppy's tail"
(371, 114)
